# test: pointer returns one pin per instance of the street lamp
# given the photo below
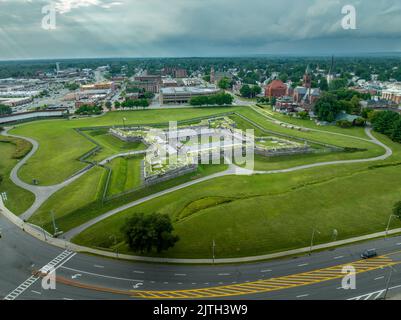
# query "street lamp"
(124, 119)
(388, 224)
(313, 238)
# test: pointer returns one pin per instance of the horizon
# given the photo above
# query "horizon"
(89, 29)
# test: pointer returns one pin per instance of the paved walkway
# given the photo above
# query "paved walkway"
(41, 193)
(233, 170)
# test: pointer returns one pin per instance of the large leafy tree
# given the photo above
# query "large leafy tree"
(145, 232)
(327, 107)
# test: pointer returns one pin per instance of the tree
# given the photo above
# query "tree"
(108, 105)
(224, 83)
(145, 232)
(117, 104)
(327, 107)
(4, 110)
(245, 91)
(384, 121)
(323, 85)
(397, 209)
(396, 133)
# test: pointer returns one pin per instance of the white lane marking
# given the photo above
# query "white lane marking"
(379, 278)
(36, 292)
(398, 244)
(179, 283)
(141, 272)
(56, 263)
(377, 293)
(339, 257)
(267, 270)
(180, 274)
(303, 296)
(223, 274)
(303, 265)
(101, 275)
(98, 266)
(193, 283)
(67, 299)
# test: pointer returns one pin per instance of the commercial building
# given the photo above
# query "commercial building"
(184, 94)
(99, 86)
(392, 93)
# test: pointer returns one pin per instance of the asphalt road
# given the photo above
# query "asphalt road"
(80, 276)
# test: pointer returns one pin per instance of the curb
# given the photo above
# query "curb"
(35, 232)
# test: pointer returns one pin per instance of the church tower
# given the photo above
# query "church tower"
(212, 75)
(307, 81)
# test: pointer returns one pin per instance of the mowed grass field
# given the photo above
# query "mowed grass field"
(60, 146)
(110, 144)
(18, 199)
(78, 194)
(268, 213)
(125, 174)
(82, 200)
(246, 215)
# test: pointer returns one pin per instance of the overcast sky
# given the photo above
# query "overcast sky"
(156, 28)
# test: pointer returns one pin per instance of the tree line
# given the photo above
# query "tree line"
(215, 99)
(387, 123)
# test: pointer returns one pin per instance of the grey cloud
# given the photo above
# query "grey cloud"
(196, 27)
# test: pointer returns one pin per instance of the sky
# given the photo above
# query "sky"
(182, 28)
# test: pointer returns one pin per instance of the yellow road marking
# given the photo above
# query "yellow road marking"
(267, 285)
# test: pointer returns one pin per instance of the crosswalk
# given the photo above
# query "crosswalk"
(52, 265)
(266, 285)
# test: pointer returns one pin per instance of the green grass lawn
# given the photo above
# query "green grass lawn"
(19, 200)
(125, 174)
(269, 213)
(78, 194)
(111, 145)
(81, 201)
(60, 146)
(246, 215)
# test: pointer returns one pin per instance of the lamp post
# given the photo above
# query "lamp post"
(313, 238)
(124, 119)
(388, 224)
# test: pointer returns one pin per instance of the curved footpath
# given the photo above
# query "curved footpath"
(233, 170)
(43, 193)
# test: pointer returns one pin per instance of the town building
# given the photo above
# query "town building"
(276, 89)
(180, 95)
(392, 93)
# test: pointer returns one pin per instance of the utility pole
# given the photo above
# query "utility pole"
(313, 238)
(54, 222)
(388, 282)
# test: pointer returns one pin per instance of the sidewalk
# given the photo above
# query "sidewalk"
(43, 236)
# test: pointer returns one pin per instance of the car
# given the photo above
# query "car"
(370, 253)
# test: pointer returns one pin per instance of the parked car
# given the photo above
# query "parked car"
(367, 254)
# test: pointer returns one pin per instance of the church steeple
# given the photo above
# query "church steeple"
(307, 81)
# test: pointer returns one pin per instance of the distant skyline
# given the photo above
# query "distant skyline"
(196, 28)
